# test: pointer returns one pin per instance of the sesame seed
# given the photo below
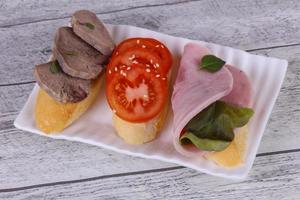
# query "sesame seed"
(157, 75)
(128, 68)
(143, 46)
(116, 69)
(145, 96)
(121, 71)
(162, 46)
(147, 65)
(163, 78)
(114, 111)
(151, 61)
(157, 46)
(148, 70)
(132, 57)
(138, 41)
(124, 74)
(109, 71)
(135, 62)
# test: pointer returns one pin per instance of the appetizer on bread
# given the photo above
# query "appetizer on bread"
(212, 106)
(70, 83)
(137, 88)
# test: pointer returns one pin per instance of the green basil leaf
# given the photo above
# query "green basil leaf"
(211, 63)
(239, 116)
(89, 25)
(204, 144)
(54, 67)
(217, 121)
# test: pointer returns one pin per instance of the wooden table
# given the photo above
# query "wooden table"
(35, 167)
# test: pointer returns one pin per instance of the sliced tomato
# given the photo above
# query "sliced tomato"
(136, 55)
(150, 44)
(136, 95)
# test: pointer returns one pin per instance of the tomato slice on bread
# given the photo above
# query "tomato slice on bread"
(136, 95)
(152, 46)
(136, 79)
(136, 55)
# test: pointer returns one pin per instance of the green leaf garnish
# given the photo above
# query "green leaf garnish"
(54, 67)
(212, 128)
(89, 25)
(71, 53)
(204, 144)
(211, 63)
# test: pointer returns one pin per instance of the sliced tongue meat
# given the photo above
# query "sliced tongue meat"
(60, 86)
(196, 89)
(88, 27)
(75, 56)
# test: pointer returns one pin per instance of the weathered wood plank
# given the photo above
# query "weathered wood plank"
(243, 24)
(275, 177)
(14, 12)
(83, 161)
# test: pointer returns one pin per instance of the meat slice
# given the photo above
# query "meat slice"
(76, 57)
(194, 90)
(60, 86)
(241, 93)
(88, 27)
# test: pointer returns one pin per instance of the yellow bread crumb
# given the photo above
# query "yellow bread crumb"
(139, 133)
(234, 154)
(52, 116)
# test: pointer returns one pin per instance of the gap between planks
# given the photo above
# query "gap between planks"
(125, 174)
(248, 50)
(101, 13)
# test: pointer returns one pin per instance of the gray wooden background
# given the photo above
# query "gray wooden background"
(35, 167)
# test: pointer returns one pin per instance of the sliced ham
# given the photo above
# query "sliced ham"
(196, 89)
(241, 93)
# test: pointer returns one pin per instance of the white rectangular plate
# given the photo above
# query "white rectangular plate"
(95, 126)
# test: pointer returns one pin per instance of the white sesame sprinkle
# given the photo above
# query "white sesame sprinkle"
(138, 41)
(157, 46)
(145, 96)
(128, 68)
(114, 111)
(147, 65)
(143, 46)
(151, 61)
(132, 57)
(163, 78)
(121, 71)
(148, 70)
(156, 65)
(124, 74)
(162, 46)
(109, 71)
(116, 69)
(157, 75)
(135, 62)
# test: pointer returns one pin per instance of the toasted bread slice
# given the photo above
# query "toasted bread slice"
(52, 116)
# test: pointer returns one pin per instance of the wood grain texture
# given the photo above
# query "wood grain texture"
(275, 177)
(56, 169)
(20, 12)
(238, 23)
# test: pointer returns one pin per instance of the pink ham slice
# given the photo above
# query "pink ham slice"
(196, 89)
(241, 93)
